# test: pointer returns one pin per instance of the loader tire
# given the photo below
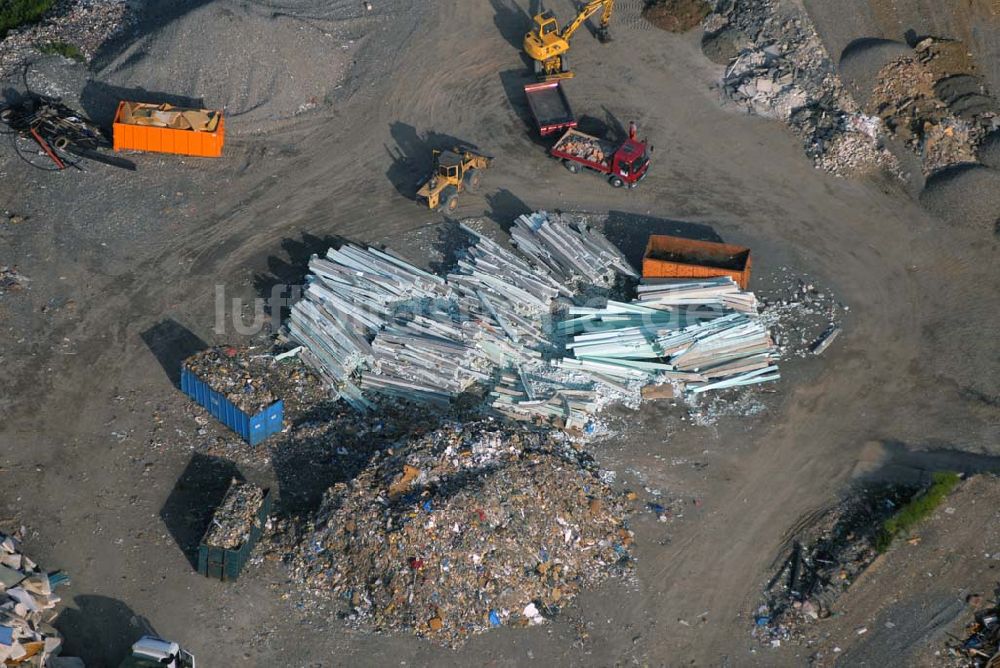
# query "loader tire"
(474, 180)
(61, 142)
(571, 167)
(451, 202)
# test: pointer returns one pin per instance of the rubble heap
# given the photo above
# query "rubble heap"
(585, 147)
(468, 527)
(509, 325)
(827, 556)
(372, 321)
(981, 647)
(934, 103)
(27, 637)
(11, 280)
(235, 516)
(782, 70)
(253, 381)
(84, 24)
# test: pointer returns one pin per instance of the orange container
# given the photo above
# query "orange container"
(677, 257)
(203, 143)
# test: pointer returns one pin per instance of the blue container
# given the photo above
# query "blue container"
(254, 429)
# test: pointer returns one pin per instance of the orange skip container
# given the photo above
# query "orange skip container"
(677, 257)
(158, 139)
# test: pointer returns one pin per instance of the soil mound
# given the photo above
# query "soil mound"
(967, 195)
(258, 65)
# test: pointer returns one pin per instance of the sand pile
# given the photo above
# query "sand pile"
(257, 64)
(469, 527)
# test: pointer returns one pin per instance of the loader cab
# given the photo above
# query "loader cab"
(449, 166)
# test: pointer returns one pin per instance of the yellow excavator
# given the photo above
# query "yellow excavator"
(547, 45)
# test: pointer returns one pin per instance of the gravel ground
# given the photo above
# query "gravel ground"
(102, 450)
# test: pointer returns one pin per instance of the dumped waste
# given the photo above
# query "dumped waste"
(253, 379)
(235, 516)
(981, 646)
(535, 329)
(27, 637)
(471, 526)
(827, 554)
(777, 67)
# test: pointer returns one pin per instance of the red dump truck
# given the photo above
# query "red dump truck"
(550, 107)
(623, 164)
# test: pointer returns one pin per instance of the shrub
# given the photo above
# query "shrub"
(16, 13)
(918, 509)
(63, 49)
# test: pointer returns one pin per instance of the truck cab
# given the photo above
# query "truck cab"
(630, 162)
(152, 652)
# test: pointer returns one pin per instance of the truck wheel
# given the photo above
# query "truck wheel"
(571, 166)
(616, 182)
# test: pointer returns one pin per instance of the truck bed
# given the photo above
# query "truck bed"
(549, 106)
(590, 150)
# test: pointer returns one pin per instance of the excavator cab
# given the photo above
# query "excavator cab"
(546, 44)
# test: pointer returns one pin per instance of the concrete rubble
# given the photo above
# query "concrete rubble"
(235, 516)
(27, 600)
(780, 69)
(935, 103)
(468, 527)
(513, 324)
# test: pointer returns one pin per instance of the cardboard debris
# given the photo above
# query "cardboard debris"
(27, 638)
(169, 116)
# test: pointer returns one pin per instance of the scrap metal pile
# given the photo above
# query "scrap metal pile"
(981, 647)
(49, 135)
(372, 322)
(235, 516)
(27, 637)
(468, 527)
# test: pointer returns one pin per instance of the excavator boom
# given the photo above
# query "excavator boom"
(547, 45)
(586, 12)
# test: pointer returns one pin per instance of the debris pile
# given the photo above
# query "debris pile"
(585, 147)
(84, 25)
(376, 324)
(468, 527)
(252, 380)
(27, 637)
(981, 647)
(830, 551)
(934, 103)
(235, 516)
(575, 254)
(699, 334)
(11, 280)
(803, 318)
(780, 69)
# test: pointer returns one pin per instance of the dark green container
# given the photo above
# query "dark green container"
(222, 564)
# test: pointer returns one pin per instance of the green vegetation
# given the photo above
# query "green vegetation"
(919, 508)
(16, 13)
(63, 49)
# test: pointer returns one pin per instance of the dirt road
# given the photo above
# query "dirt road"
(87, 403)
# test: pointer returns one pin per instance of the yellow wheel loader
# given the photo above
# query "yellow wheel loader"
(454, 171)
(547, 45)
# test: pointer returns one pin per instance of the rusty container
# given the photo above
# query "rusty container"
(677, 257)
(202, 143)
